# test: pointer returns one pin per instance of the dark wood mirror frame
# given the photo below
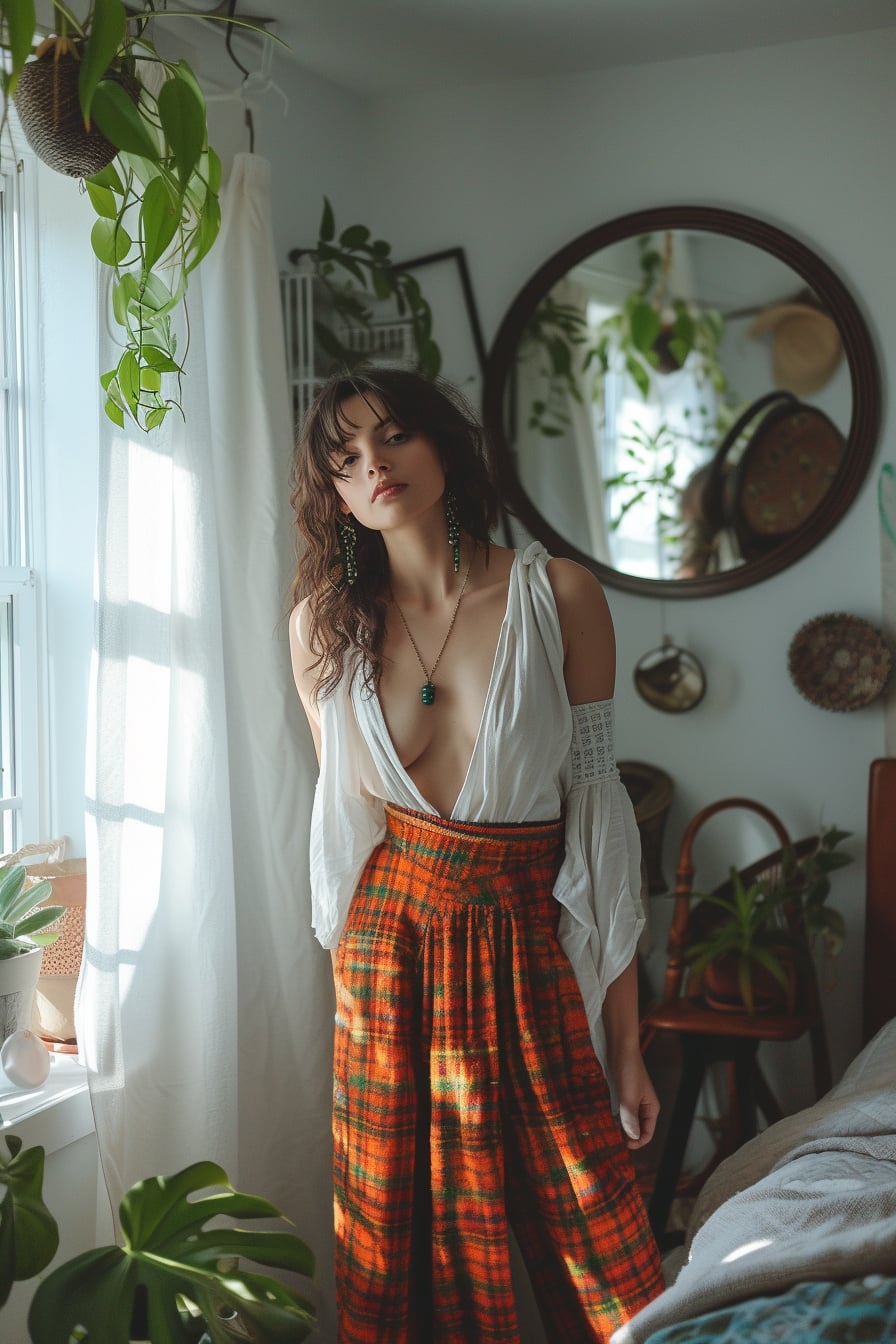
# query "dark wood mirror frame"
(858, 351)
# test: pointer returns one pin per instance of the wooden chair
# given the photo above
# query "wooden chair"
(707, 1035)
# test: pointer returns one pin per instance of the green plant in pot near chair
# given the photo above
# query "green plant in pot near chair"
(745, 954)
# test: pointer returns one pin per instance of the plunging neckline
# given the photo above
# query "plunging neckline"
(387, 736)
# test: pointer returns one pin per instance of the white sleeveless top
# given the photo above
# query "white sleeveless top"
(526, 719)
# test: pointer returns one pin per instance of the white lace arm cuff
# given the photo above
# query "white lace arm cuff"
(593, 747)
(599, 882)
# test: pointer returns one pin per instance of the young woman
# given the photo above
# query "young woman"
(475, 870)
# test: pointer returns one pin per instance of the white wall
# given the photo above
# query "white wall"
(795, 135)
(314, 141)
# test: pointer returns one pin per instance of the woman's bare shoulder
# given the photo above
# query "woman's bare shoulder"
(573, 586)
(586, 627)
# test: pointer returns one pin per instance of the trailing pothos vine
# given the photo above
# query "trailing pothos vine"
(156, 199)
(354, 271)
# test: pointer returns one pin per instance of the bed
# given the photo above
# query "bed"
(793, 1238)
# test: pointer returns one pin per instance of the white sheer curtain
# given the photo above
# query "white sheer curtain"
(205, 1008)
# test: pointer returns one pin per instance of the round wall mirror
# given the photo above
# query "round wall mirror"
(685, 400)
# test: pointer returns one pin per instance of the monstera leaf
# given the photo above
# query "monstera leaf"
(169, 1255)
(28, 1232)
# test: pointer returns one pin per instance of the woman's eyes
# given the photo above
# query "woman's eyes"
(391, 441)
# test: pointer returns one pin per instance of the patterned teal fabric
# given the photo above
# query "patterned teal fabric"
(862, 1311)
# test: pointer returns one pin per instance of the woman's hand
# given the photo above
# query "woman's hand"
(638, 1102)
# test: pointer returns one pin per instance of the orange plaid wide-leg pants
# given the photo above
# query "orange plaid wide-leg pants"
(468, 1096)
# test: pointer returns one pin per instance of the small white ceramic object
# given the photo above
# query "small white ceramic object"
(25, 1059)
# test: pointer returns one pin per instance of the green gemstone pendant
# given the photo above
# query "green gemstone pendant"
(428, 693)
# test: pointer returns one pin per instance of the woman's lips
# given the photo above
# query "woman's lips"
(391, 491)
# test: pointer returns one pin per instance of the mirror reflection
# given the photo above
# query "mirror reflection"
(679, 402)
(630, 373)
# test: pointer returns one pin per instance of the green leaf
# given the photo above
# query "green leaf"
(12, 882)
(356, 235)
(170, 1252)
(29, 1236)
(182, 114)
(129, 379)
(679, 350)
(214, 172)
(104, 39)
(19, 16)
(207, 231)
(154, 296)
(831, 837)
(17, 900)
(327, 223)
(645, 325)
(121, 122)
(110, 242)
(160, 217)
(639, 375)
(39, 919)
(155, 417)
(103, 200)
(108, 178)
(159, 359)
(123, 295)
(150, 379)
(114, 412)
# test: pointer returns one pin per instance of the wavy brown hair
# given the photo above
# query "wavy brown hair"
(347, 621)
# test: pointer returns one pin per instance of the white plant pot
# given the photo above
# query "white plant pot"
(18, 981)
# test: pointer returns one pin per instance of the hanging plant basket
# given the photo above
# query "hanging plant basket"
(46, 100)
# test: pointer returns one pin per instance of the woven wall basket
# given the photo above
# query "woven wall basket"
(46, 100)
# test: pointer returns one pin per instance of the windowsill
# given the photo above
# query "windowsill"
(54, 1115)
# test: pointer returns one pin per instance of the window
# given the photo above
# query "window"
(19, 693)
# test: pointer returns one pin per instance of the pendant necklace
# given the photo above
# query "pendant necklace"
(427, 690)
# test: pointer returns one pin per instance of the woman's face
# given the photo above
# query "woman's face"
(388, 476)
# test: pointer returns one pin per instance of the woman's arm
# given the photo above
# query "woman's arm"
(589, 668)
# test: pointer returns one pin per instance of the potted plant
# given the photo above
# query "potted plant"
(97, 101)
(746, 955)
(24, 934)
(743, 960)
(173, 1280)
(655, 332)
(353, 272)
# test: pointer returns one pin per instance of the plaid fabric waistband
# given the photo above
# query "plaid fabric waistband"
(459, 850)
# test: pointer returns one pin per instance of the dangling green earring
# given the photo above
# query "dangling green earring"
(453, 527)
(348, 540)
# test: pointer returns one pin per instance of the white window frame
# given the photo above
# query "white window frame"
(19, 577)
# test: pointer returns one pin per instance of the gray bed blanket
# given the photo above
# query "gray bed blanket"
(813, 1197)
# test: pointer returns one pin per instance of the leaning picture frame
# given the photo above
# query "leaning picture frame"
(445, 281)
